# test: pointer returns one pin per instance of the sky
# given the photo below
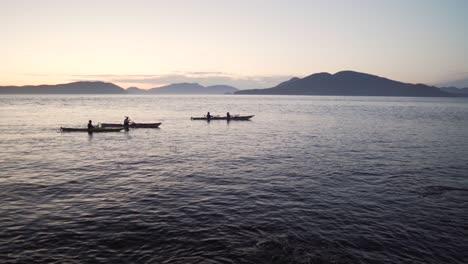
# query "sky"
(247, 44)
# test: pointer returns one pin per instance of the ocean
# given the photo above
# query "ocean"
(310, 179)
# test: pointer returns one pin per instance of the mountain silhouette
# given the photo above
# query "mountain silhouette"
(458, 83)
(86, 87)
(136, 90)
(455, 90)
(192, 88)
(68, 88)
(341, 83)
(348, 83)
(221, 88)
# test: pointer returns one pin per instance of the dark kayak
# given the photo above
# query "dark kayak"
(96, 129)
(237, 118)
(132, 125)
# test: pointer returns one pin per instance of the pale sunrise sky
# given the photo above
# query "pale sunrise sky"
(247, 44)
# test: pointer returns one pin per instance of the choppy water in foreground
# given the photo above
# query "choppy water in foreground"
(308, 180)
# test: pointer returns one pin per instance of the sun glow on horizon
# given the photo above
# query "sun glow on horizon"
(247, 44)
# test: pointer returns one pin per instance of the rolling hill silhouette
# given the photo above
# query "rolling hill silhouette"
(348, 83)
(68, 88)
(192, 88)
(341, 83)
(455, 90)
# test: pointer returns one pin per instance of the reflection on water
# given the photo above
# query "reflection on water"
(308, 180)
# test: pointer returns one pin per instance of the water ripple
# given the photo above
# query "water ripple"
(309, 180)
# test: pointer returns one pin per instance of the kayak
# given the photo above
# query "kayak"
(96, 129)
(132, 125)
(237, 118)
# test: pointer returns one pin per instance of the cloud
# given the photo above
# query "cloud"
(109, 75)
(36, 74)
(201, 73)
(203, 78)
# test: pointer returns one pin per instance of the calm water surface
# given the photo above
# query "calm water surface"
(308, 180)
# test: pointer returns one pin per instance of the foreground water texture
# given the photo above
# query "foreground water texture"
(308, 180)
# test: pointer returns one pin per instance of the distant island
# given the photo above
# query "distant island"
(86, 87)
(349, 83)
(68, 88)
(346, 83)
(455, 90)
(186, 88)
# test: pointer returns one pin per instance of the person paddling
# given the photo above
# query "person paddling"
(90, 124)
(126, 122)
(208, 116)
(228, 116)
